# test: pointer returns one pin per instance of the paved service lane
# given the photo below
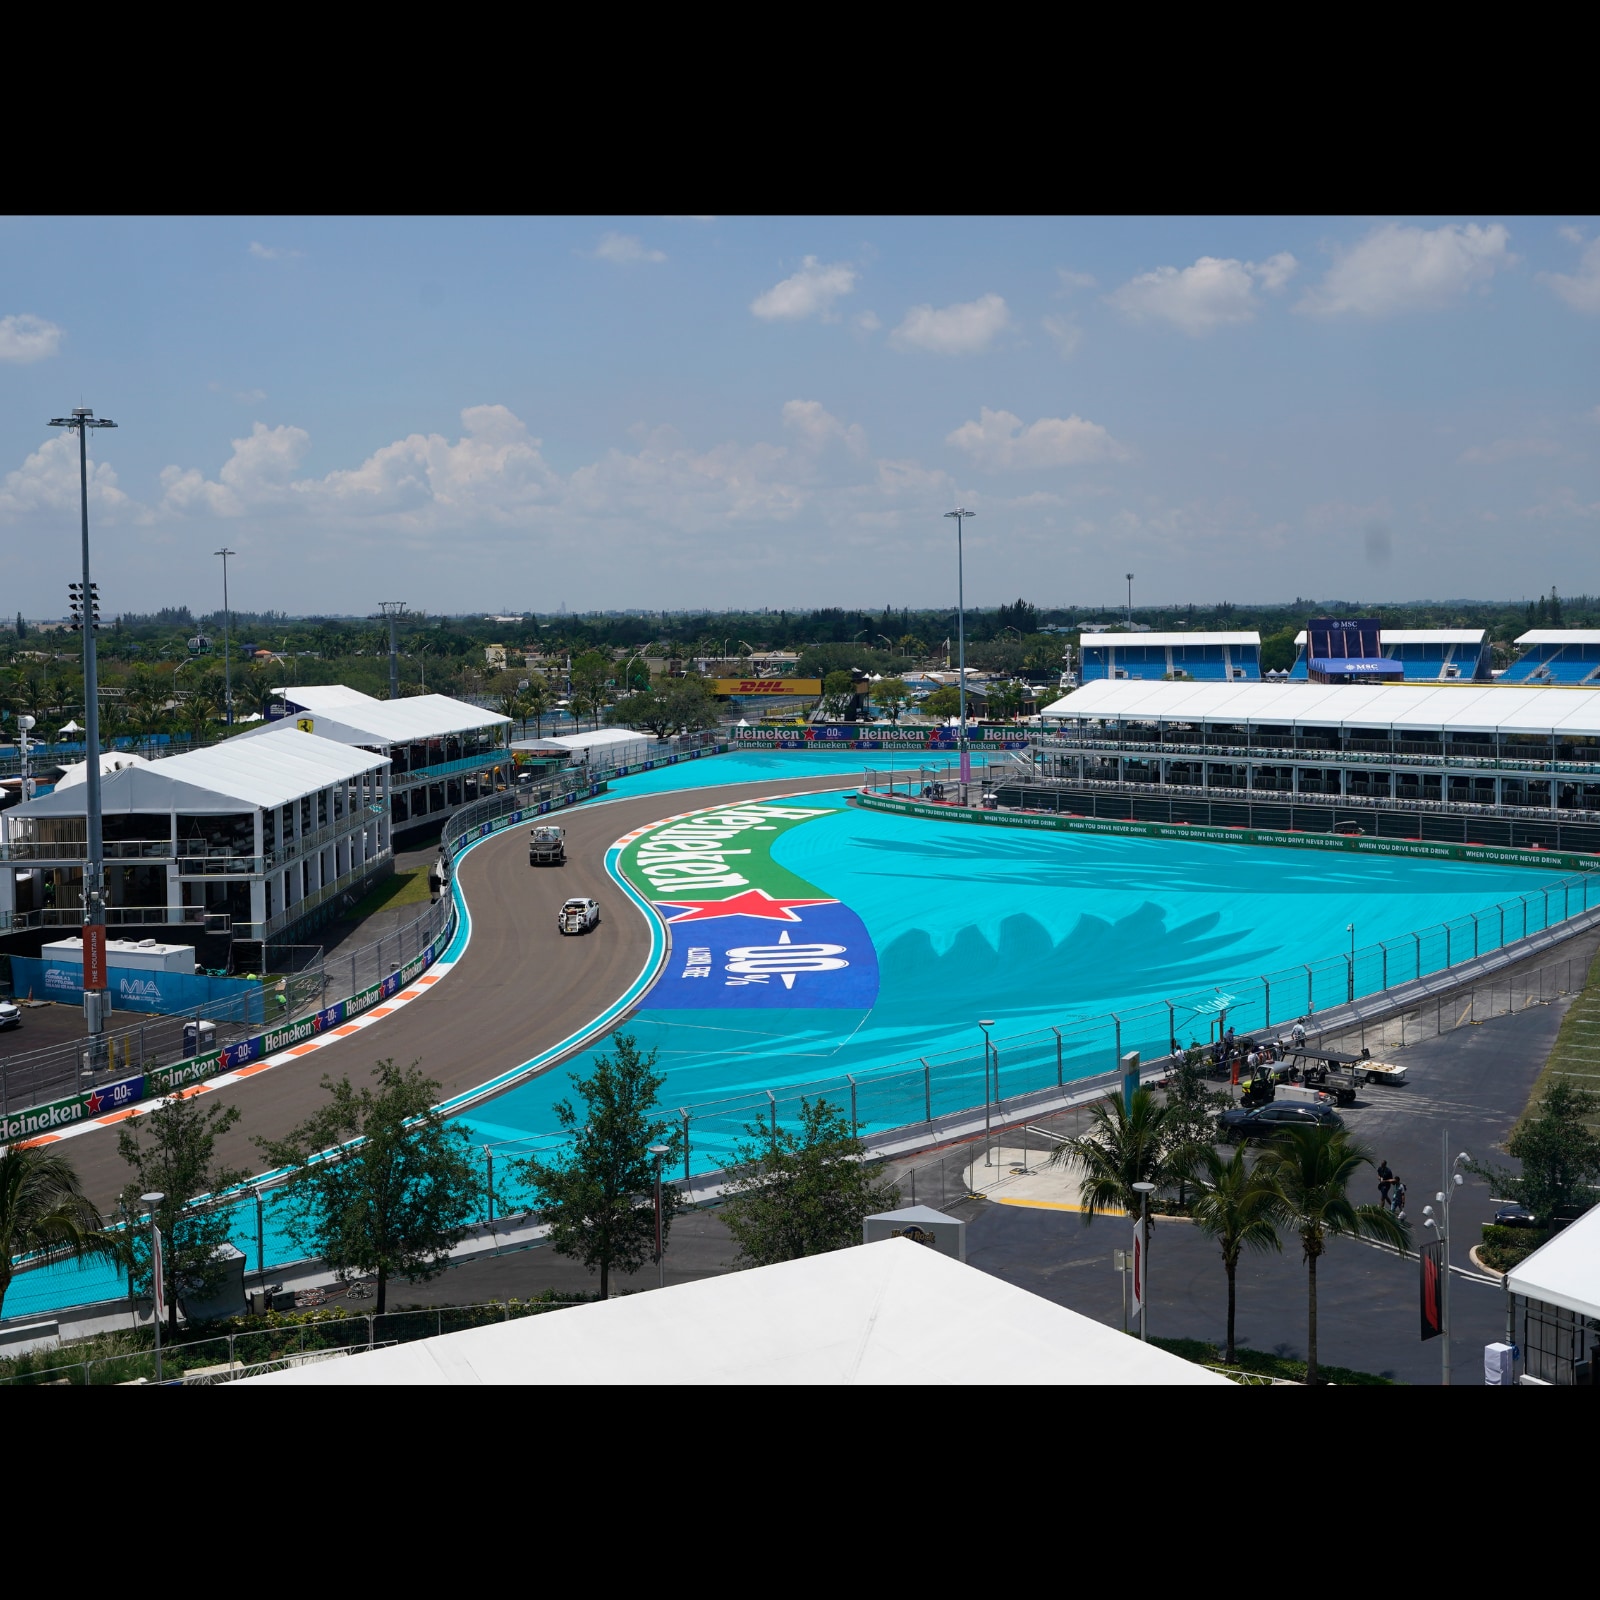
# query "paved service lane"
(520, 988)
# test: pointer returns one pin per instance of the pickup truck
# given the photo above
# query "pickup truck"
(578, 915)
(547, 847)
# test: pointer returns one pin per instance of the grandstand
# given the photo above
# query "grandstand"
(1200, 657)
(1557, 655)
(1425, 655)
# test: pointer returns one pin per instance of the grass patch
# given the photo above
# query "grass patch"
(1258, 1361)
(398, 889)
(1576, 1053)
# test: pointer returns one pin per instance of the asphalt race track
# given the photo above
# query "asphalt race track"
(520, 988)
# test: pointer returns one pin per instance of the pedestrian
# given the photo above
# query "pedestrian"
(1400, 1198)
(1385, 1182)
(1298, 1034)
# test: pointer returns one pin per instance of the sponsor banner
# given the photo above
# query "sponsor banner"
(759, 686)
(747, 933)
(114, 1096)
(94, 956)
(133, 989)
(864, 736)
(1553, 860)
(43, 1119)
(163, 1080)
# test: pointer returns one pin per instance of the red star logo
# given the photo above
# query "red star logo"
(96, 1101)
(752, 903)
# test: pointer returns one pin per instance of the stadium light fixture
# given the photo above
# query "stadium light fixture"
(227, 648)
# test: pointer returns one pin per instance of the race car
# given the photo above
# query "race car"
(578, 915)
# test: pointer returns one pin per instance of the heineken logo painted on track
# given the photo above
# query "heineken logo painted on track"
(746, 931)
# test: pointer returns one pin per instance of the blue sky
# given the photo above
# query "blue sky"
(617, 412)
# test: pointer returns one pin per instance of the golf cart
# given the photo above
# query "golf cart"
(1338, 1075)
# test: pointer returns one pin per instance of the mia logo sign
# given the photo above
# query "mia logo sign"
(746, 931)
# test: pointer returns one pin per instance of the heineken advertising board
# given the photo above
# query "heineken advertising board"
(868, 736)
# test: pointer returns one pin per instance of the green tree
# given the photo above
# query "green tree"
(591, 679)
(1194, 1103)
(838, 690)
(179, 1163)
(599, 1200)
(892, 695)
(1237, 1208)
(1145, 1141)
(652, 712)
(1005, 700)
(43, 1207)
(692, 703)
(1309, 1170)
(945, 701)
(1560, 1157)
(536, 703)
(380, 1181)
(792, 1195)
(908, 644)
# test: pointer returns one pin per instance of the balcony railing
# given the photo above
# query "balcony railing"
(122, 917)
(1317, 755)
(444, 769)
(1326, 801)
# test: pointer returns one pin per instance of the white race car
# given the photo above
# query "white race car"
(10, 1015)
(578, 915)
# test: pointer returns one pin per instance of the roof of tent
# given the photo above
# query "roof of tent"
(1162, 640)
(356, 718)
(1565, 1272)
(110, 761)
(1561, 636)
(279, 765)
(891, 1312)
(1508, 708)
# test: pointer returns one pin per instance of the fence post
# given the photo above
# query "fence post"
(772, 1104)
(369, 1330)
(855, 1127)
(682, 1112)
(1266, 1003)
(1547, 908)
(1057, 1033)
(1502, 924)
(927, 1087)
(1311, 999)
(1474, 916)
(1448, 963)
(1385, 950)
(1418, 938)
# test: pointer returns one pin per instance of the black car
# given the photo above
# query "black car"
(1264, 1121)
(1511, 1215)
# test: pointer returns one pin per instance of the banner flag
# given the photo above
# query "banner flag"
(1432, 1289)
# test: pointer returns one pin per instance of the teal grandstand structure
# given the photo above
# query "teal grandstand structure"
(1180, 657)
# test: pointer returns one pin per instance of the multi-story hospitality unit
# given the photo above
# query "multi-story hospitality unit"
(254, 838)
(1473, 763)
(443, 753)
(1204, 657)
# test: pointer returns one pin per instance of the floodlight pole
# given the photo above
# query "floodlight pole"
(94, 905)
(660, 1152)
(393, 610)
(961, 649)
(1129, 577)
(227, 652)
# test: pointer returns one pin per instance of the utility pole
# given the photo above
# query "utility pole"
(393, 610)
(1129, 577)
(961, 649)
(227, 651)
(94, 904)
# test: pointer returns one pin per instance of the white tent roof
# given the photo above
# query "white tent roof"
(1420, 636)
(110, 761)
(1561, 636)
(1510, 708)
(355, 718)
(1565, 1272)
(600, 736)
(269, 769)
(892, 1312)
(1164, 639)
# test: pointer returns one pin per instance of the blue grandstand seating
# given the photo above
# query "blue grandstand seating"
(1122, 654)
(1556, 663)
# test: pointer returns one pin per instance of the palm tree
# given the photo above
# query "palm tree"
(535, 703)
(1237, 1208)
(1143, 1142)
(1310, 1171)
(43, 1207)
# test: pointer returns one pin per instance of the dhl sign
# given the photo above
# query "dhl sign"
(753, 686)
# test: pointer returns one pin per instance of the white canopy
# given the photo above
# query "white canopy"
(1561, 636)
(1468, 707)
(1565, 1272)
(1162, 640)
(110, 761)
(891, 1312)
(351, 717)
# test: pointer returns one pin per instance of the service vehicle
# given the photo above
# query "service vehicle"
(1391, 1072)
(578, 915)
(547, 847)
(1263, 1122)
(10, 1014)
(1340, 1075)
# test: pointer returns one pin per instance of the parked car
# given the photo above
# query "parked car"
(1511, 1215)
(10, 1014)
(1262, 1122)
(578, 915)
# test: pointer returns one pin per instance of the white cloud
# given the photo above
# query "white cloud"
(1404, 268)
(1508, 450)
(816, 426)
(809, 292)
(963, 329)
(623, 248)
(1580, 289)
(1213, 293)
(47, 482)
(1074, 280)
(263, 252)
(1571, 235)
(245, 397)
(867, 322)
(1066, 333)
(999, 442)
(27, 338)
